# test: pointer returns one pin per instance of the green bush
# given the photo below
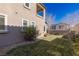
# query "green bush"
(72, 36)
(76, 38)
(30, 33)
(63, 46)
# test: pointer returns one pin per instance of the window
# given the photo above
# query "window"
(40, 13)
(27, 5)
(25, 23)
(60, 27)
(33, 24)
(3, 22)
(40, 10)
(54, 27)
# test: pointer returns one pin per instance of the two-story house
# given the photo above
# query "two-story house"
(60, 28)
(75, 28)
(15, 16)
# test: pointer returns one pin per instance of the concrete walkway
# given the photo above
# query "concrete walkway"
(52, 37)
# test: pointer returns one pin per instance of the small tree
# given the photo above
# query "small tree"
(30, 33)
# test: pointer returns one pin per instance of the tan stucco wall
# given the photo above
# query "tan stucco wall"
(15, 12)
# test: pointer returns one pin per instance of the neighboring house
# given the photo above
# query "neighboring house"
(15, 16)
(76, 28)
(60, 28)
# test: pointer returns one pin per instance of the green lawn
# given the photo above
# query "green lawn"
(50, 46)
(76, 48)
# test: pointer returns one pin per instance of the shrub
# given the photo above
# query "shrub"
(77, 38)
(63, 46)
(30, 33)
(72, 36)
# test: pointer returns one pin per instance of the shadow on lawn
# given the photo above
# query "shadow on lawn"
(57, 47)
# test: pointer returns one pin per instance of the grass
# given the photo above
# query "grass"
(54, 47)
(76, 48)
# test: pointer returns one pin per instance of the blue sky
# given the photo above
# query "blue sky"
(61, 9)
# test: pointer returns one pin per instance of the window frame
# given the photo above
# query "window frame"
(54, 27)
(60, 26)
(26, 6)
(34, 23)
(23, 19)
(37, 11)
(5, 23)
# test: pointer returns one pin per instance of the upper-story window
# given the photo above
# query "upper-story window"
(40, 10)
(3, 22)
(27, 5)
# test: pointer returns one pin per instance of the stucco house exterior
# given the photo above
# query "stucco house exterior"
(75, 28)
(15, 16)
(60, 28)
